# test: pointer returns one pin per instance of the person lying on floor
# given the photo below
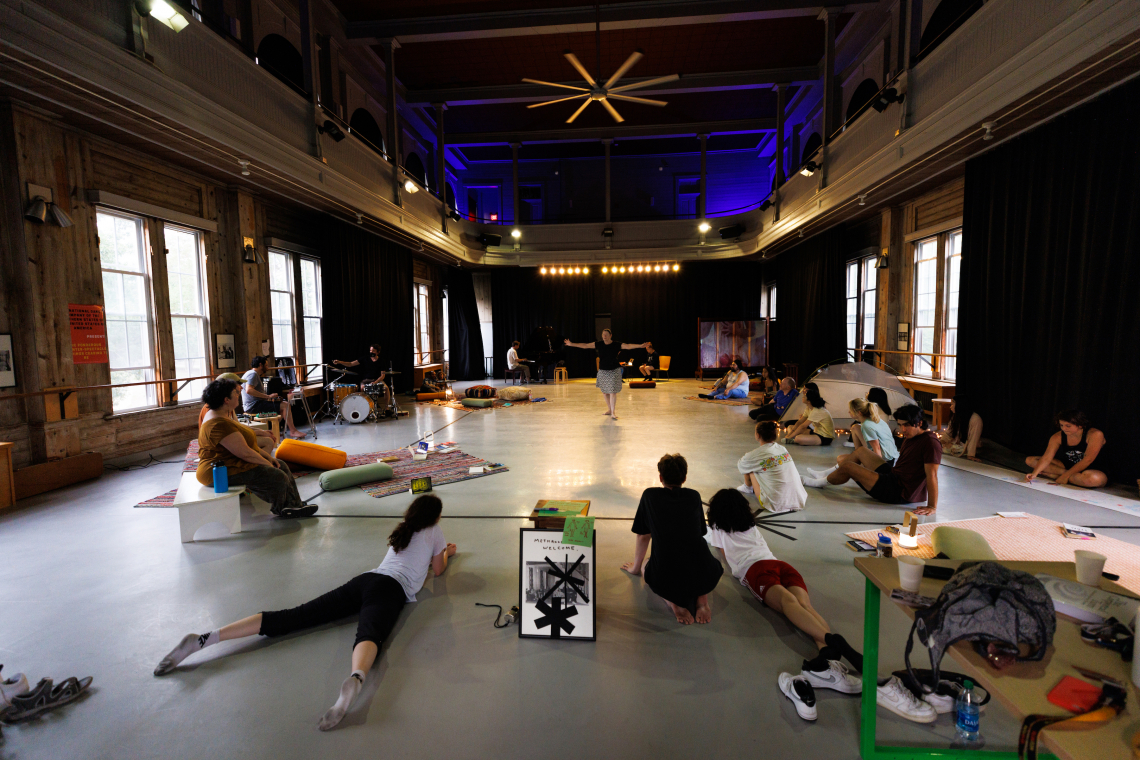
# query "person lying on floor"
(224, 441)
(778, 586)
(964, 432)
(913, 476)
(871, 430)
(681, 570)
(770, 473)
(377, 596)
(815, 426)
(266, 441)
(733, 385)
(780, 402)
(1070, 453)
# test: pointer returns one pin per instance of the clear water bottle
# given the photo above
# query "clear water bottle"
(967, 714)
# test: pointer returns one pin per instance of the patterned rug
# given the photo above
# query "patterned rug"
(753, 399)
(451, 467)
(498, 404)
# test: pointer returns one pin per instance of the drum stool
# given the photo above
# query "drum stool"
(561, 375)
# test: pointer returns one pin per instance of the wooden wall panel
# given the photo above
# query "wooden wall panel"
(150, 184)
(939, 206)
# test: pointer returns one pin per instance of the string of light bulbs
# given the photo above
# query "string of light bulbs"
(641, 268)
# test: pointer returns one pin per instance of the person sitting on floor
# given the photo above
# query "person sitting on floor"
(815, 426)
(964, 431)
(912, 478)
(433, 382)
(733, 385)
(681, 570)
(222, 440)
(879, 396)
(377, 596)
(768, 382)
(871, 430)
(652, 362)
(778, 586)
(780, 402)
(256, 401)
(770, 473)
(1070, 452)
(266, 440)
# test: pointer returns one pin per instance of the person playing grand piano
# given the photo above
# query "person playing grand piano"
(609, 370)
(514, 364)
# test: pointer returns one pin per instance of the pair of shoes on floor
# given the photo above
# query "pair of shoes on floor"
(42, 697)
(801, 689)
(894, 696)
(294, 513)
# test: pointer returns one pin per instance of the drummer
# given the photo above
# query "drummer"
(371, 372)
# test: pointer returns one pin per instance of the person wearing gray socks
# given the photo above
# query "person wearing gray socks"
(378, 595)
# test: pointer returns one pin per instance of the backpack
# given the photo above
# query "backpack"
(480, 391)
(984, 602)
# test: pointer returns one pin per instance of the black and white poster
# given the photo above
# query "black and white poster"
(7, 363)
(557, 587)
(227, 357)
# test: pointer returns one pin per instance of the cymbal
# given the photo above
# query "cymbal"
(345, 370)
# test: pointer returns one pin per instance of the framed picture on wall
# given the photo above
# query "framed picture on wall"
(556, 587)
(7, 363)
(904, 336)
(227, 355)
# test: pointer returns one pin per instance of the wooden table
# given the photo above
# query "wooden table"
(942, 389)
(1021, 688)
(541, 521)
(941, 404)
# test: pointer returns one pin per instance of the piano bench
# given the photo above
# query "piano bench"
(512, 374)
(561, 375)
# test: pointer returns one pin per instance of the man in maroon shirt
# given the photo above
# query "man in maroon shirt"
(913, 476)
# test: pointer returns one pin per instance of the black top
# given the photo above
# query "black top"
(653, 360)
(681, 567)
(608, 354)
(368, 369)
(1072, 455)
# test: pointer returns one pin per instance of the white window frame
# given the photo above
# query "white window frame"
(421, 324)
(860, 281)
(290, 299)
(149, 370)
(307, 318)
(941, 244)
(193, 390)
(950, 304)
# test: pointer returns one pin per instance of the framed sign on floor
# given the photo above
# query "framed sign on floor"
(557, 586)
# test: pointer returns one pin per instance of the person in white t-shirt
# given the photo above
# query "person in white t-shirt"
(770, 473)
(513, 361)
(732, 529)
(377, 596)
(815, 426)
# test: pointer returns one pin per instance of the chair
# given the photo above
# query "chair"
(512, 374)
(561, 375)
(664, 362)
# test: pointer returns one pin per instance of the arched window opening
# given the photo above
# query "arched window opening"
(366, 128)
(278, 56)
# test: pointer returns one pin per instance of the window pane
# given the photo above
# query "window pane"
(310, 288)
(772, 303)
(117, 343)
(113, 294)
(869, 317)
(313, 353)
(853, 279)
(134, 296)
(135, 397)
(278, 271)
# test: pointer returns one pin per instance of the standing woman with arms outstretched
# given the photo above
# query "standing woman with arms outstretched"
(609, 371)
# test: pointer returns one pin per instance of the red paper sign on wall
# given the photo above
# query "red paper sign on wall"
(88, 334)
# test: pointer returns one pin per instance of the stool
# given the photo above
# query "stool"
(561, 375)
(512, 374)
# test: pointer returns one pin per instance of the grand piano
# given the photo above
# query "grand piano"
(545, 348)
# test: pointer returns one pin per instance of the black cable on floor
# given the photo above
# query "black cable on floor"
(413, 443)
(151, 461)
(511, 616)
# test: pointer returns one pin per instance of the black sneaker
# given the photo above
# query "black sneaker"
(293, 513)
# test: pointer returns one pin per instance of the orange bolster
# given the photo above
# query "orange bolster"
(311, 455)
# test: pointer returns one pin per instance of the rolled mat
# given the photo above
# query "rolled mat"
(642, 384)
(334, 480)
(311, 454)
(430, 396)
(478, 402)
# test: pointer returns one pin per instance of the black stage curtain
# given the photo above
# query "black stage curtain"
(367, 287)
(465, 352)
(1048, 316)
(811, 313)
(523, 299)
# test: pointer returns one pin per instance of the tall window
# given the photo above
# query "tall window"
(422, 322)
(311, 311)
(768, 301)
(281, 302)
(187, 308)
(937, 262)
(861, 283)
(126, 293)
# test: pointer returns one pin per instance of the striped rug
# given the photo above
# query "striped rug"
(753, 398)
(451, 467)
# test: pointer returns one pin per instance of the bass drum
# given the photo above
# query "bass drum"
(356, 407)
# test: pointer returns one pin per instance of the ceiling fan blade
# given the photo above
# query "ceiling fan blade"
(631, 99)
(559, 100)
(613, 112)
(555, 84)
(581, 108)
(581, 69)
(634, 57)
(646, 83)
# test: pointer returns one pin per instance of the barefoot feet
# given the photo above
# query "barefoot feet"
(704, 613)
(684, 617)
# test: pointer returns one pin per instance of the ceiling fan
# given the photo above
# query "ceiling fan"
(603, 93)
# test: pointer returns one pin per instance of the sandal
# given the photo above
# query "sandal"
(1111, 634)
(45, 696)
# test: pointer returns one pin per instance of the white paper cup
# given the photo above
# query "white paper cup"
(910, 572)
(1089, 567)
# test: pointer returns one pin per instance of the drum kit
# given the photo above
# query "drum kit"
(355, 402)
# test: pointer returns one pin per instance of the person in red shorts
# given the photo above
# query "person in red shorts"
(732, 529)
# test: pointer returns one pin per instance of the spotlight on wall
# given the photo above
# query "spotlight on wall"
(882, 262)
(885, 98)
(765, 204)
(37, 210)
(359, 218)
(657, 268)
(411, 186)
(487, 240)
(331, 129)
(455, 217)
(801, 233)
(516, 233)
(623, 270)
(810, 168)
(640, 268)
(162, 12)
(730, 233)
(989, 127)
(863, 199)
(562, 270)
(62, 219)
(577, 270)
(704, 227)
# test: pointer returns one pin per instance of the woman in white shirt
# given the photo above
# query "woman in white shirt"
(770, 473)
(377, 596)
(815, 426)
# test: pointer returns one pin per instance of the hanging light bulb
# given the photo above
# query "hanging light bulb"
(605, 270)
(657, 268)
(676, 267)
(623, 270)
(585, 270)
(561, 270)
(543, 270)
(577, 270)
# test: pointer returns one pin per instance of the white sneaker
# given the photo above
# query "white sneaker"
(745, 489)
(892, 695)
(836, 677)
(849, 445)
(797, 689)
(12, 687)
(822, 473)
(941, 703)
(815, 482)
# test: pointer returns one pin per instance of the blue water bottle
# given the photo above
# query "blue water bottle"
(221, 479)
(967, 714)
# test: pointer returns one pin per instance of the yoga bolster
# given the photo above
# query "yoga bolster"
(334, 480)
(431, 396)
(962, 543)
(311, 455)
(514, 393)
(642, 384)
(478, 402)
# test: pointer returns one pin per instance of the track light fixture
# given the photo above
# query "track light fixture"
(801, 233)
(244, 167)
(885, 98)
(989, 127)
(704, 227)
(331, 129)
(809, 168)
(881, 262)
(37, 210)
(162, 12)
(516, 233)
(765, 204)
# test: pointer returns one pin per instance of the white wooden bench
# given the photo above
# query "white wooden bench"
(198, 505)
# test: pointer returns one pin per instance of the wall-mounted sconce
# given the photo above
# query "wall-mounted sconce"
(331, 129)
(162, 12)
(810, 168)
(249, 250)
(42, 206)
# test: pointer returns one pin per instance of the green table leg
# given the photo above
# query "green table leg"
(868, 750)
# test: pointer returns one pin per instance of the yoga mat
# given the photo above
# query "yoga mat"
(498, 403)
(752, 400)
(1093, 496)
(1029, 539)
